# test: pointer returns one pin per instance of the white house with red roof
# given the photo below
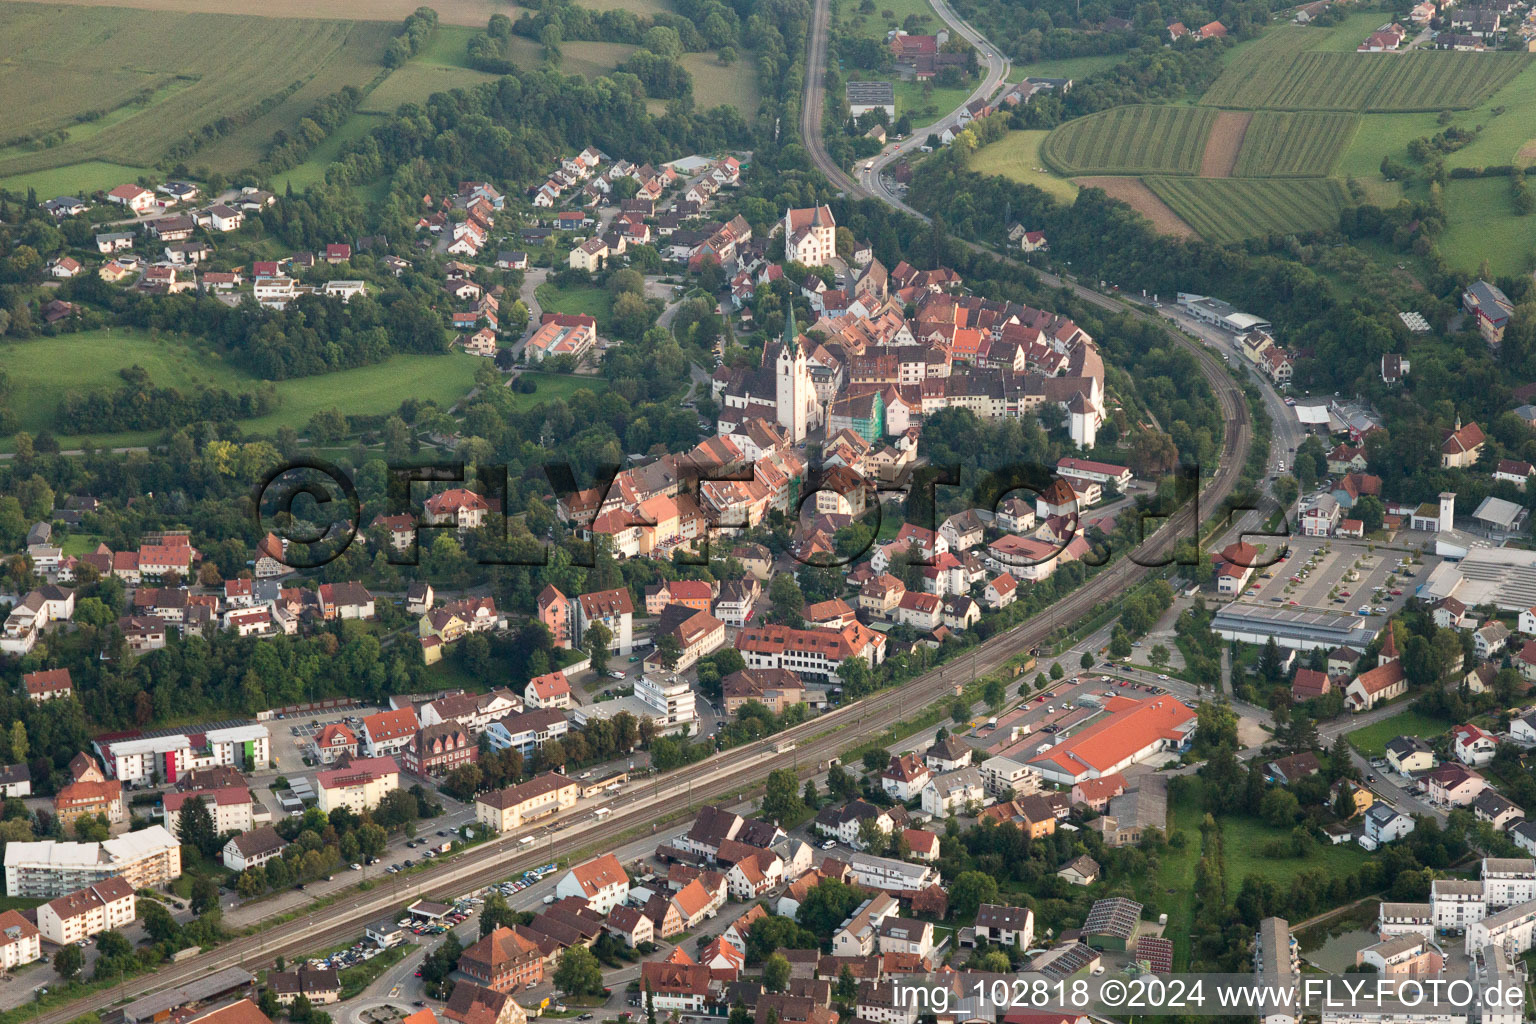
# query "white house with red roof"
(457, 507)
(550, 690)
(1472, 745)
(1235, 567)
(1000, 592)
(389, 732)
(905, 777)
(600, 881)
(135, 197)
(333, 741)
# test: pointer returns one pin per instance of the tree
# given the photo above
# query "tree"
(495, 914)
(960, 710)
(19, 745)
(808, 795)
(158, 923)
(68, 961)
(1086, 661)
(194, 827)
(1158, 656)
(776, 973)
(787, 600)
(205, 895)
(669, 649)
(781, 800)
(847, 985)
(579, 973)
(597, 641)
(970, 890)
(1370, 511)
(1057, 672)
(994, 693)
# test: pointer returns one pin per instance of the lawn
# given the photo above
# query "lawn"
(551, 386)
(593, 300)
(312, 171)
(94, 357)
(926, 103)
(1481, 223)
(1372, 739)
(172, 73)
(715, 84)
(1017, 157)
(89, 176)
(414, 82)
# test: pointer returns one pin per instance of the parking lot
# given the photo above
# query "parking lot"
(1342, 576)
(291, 736)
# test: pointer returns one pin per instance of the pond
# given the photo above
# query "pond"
(1336, 951)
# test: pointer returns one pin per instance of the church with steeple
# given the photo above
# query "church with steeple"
(810, 236)
(795, 395)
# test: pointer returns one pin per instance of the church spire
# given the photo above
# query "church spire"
(791, 335)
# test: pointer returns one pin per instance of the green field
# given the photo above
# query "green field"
(158, 75)
(1016, 156)
(1481, 224)
(82, 177)
(413, 83)
(94, 357)
(1230, 209)
(312, 170)
(556, 385)
(1281, 144)
(715, 84)
(1131, 140)
(1372, 739)
(591, 300)
(1320, 80)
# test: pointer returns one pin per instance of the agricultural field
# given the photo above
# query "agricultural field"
(413, 82)
(154, 78)
(1314, 80)
(1131, 140)
(1286, 144)
(451, 12)
(94, 357)
(1016, 157)
(716, 84)
(1075, 68)
(1231, 209)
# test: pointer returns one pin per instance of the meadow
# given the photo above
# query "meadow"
(1231, 209)
(94, 358)
(1131, 140)
(1481, 224)
(1372, 739)
(183, 71)
(1321, 80)
(592, 300)
(451, 12)
(1015, 157)
(1292, 144)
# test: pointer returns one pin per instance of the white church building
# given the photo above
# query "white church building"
(810, 236)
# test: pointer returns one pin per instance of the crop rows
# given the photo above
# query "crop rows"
(222, 66)
(1430, 80)
(1289, 144)
(1231, 209)
(1131, 140)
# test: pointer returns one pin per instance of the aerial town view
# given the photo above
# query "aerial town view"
(767, 511)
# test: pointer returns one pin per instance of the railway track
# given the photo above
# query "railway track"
(741, 769)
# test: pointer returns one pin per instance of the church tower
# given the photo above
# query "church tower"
(795, 393)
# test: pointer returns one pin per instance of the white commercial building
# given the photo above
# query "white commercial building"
(164, 759)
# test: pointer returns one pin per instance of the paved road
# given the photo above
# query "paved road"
(997, 74)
